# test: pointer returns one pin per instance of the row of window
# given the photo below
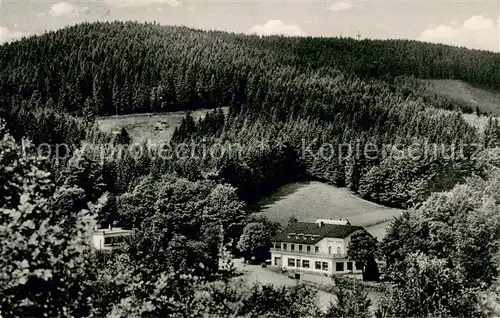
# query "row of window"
(308, 248)
(305, 264)
(302, 236)
(339, 266)
(300, 247)
(112, 240)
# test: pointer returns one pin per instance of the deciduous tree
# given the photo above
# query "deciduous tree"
(362, 250)
(255, 242)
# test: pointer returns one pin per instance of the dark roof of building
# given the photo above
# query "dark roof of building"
(312, 233)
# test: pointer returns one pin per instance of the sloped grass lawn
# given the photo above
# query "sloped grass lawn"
(309, 201)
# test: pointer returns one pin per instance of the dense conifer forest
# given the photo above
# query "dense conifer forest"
(342, 89)
(118, 68)
(287, 99)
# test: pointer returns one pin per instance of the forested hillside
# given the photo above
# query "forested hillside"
(299, 109)
(304, 91)
(117, 68)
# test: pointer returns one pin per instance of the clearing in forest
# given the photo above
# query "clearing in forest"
(308, 201)
(157, 128)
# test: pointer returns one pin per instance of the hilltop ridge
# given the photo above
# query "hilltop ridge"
(92, 65)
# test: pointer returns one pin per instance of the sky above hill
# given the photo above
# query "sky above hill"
(473, 23)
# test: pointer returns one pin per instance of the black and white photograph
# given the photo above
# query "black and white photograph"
(249, 158)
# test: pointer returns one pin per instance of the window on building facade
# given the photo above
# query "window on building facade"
(291, 262)
(292, 247)
(278, 245)
(339, 251)
(316, 249)
(308, 248)
(317, 265)
(325, 266)
(305, 263)
(113, 240)
(300, 247)
(284, 246)
(329, 250)
(349, 266)
(339, 266)
(277, 261)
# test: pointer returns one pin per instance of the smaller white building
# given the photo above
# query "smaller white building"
(109, 238)
(319, 247)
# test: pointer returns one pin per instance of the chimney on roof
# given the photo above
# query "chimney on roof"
(109, 227)
(320, 224)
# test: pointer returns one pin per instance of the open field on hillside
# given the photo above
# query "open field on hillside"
(488, 101)
(157, 128)
(308, 201)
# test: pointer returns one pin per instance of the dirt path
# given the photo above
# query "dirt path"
(255, 273)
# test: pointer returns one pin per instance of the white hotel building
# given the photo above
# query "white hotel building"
(319, 247)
